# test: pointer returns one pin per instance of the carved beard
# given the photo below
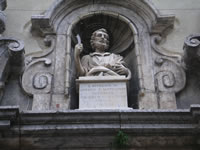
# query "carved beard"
(101, 45)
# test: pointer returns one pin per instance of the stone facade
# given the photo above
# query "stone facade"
(97, 130)
(39, 102)
(145, 25)
(157, 74)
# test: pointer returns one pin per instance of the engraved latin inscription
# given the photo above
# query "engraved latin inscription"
(103, 95)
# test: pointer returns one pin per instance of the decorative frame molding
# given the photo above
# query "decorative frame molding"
(142, 18)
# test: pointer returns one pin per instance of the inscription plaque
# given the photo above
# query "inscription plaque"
(102, 93)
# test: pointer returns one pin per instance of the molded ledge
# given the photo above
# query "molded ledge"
(98, 128)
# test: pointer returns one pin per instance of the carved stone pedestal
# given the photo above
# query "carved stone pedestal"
(106, 92)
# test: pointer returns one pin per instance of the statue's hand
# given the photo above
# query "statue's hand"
(107, 65)
(120, 69)
(78, 49)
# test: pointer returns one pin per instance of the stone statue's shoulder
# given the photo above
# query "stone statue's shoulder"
(85, 59)
(86, 56)
(117, 56)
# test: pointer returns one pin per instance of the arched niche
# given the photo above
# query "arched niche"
(138, 20)
(122, 35)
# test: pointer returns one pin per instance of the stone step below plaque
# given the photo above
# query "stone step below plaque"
(105, 92)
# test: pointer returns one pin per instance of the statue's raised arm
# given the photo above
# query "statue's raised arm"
(100, 63)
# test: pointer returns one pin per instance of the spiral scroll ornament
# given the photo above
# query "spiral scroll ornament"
(170, 74)
(35, 81)
(170, 77)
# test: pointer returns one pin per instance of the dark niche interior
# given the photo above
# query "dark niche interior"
(121, 39)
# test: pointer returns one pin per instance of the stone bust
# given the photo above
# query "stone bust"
(100, 62)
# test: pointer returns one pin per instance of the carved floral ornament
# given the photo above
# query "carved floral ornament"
(135, 20)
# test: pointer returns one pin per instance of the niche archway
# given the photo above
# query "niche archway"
(131, 25)
(122, 36)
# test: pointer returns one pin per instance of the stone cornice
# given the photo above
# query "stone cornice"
(147, 121)
(141, 126)
(156, 22)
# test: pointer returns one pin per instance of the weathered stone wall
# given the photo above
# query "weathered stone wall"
(57, 129)
(187, 21)
(18, 25)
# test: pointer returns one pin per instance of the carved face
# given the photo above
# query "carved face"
(100, 41)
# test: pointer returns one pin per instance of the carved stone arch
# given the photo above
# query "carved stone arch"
(124, 48)
(143, 20)
(144, 8)
(139, 29)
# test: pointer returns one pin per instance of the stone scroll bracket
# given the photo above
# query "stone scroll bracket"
(191, 61)
(169, 75)
(192, 54)
(12, 60)
(12, 65)
(40, 77)
(37, 77)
